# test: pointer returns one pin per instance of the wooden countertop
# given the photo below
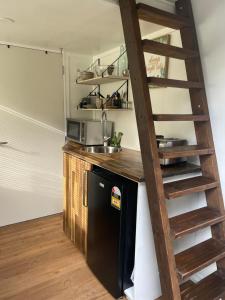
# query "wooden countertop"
(127, 163)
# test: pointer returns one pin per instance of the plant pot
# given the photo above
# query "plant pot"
(110, 69)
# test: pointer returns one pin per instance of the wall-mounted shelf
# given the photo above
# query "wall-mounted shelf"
(105, 109)
(102, 80)
(108, 75)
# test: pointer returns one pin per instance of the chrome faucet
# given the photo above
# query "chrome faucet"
(104, 129)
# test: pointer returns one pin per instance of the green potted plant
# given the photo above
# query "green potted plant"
(116, 140)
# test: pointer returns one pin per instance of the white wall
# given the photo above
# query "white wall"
(32, 121)
(74, 92)
(31, 83)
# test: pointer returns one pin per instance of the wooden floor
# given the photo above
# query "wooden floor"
(38, 262)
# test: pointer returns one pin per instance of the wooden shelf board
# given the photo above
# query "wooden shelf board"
(102, 80)
(174, 83)
(180, 117)
(105, 109)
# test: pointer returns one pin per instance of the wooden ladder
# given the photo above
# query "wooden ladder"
(175, 270)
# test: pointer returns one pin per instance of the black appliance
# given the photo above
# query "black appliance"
(112, 204)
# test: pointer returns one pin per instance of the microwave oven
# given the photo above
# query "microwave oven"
(88, 132)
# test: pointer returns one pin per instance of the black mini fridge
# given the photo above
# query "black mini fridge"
(112, 205)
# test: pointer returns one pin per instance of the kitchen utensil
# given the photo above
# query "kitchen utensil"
(84, 102)
(171, 142)
(107, 70)
(89, 106)
(93, 99)
(123, 61)
(110, 69)
(98, 102)
(99, 70)
(125, 73)
(84, 75)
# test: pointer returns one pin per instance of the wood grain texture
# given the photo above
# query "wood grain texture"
(210, 288)
(167, 50)
(37, 261)
(199, 257)
(75, 193)
(149, 151)
(127, 163)
(184, 151)
(184, 287)
(67, 196)
(157, 16)
(182, 84)
(182, 117)
(187, 186)
(179, 169)
(194, 220)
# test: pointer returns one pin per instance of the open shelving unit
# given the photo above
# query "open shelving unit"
(105, 78)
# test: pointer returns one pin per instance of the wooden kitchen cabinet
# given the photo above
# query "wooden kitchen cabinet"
(75, 200)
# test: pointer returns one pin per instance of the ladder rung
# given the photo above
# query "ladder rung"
(210, 288)
(184, 287)
(170, 117)
(167, 50)
(187, 186)
(179, 169)
(194, 220)
(184, 151)
(199, 257)
(157, 16)
(163, 82)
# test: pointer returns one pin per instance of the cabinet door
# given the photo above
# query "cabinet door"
(67, 195)
(76, 200)
(76, 195)
(83, 217)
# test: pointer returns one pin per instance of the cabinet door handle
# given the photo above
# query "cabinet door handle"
(85, 204)
(3, 143)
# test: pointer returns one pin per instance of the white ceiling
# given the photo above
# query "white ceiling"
(82, 26)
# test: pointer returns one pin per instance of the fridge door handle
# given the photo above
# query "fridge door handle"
(85, 204)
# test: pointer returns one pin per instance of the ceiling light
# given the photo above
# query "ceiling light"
(7, 20)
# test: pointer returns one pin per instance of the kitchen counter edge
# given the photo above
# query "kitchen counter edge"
(127, 163)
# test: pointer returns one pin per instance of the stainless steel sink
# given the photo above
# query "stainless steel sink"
(101, 149)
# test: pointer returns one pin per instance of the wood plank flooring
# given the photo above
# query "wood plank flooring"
(38, 262)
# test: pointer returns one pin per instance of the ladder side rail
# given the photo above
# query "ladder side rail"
(203, 131)
(152, 170)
